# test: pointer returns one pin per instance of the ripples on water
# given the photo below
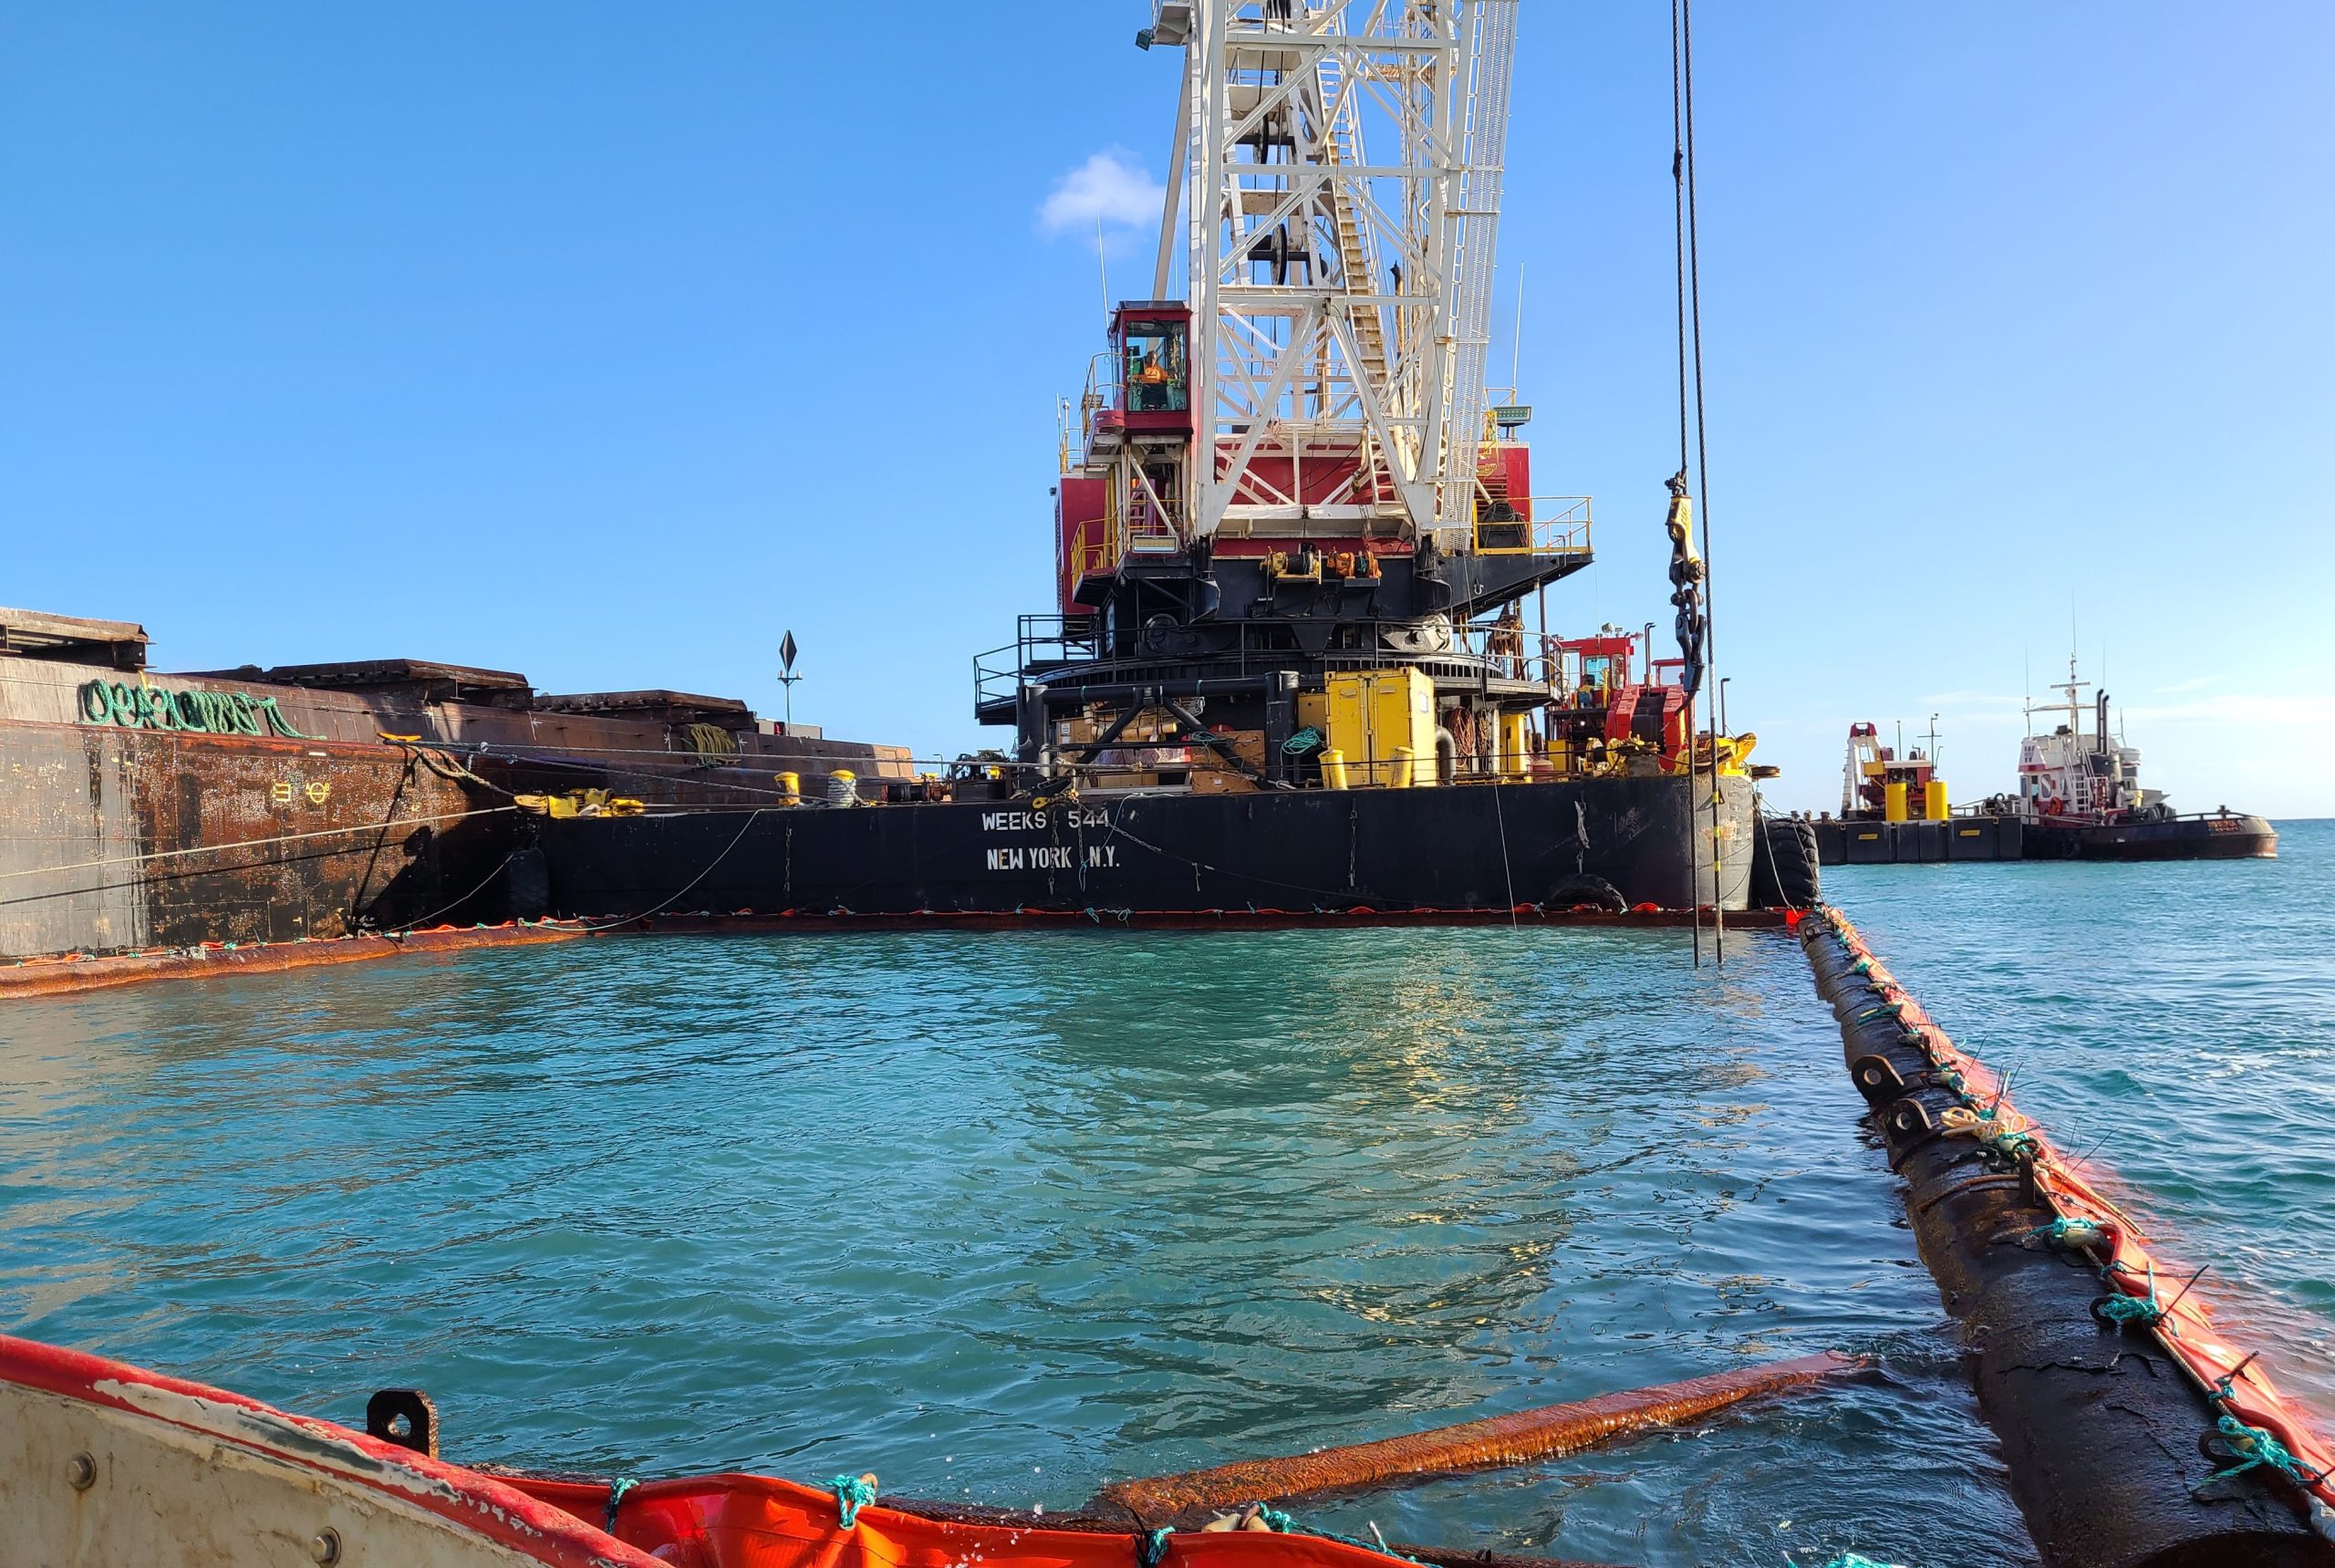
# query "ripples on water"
(1002, 1216)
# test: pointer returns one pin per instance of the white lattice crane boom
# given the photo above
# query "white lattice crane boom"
(1339, 180)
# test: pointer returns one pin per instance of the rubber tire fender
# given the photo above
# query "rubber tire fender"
(1571, 892)
(1791, 878)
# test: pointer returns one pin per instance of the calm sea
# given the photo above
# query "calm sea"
(1002, 1216)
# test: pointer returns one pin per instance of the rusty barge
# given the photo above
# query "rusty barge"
(144, 810)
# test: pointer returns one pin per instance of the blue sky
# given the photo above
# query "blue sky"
(606, 345)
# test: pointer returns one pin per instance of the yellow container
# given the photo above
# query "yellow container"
(1400, 768)
(1892, 801)
(1371, 712)
(1515, 756)
(1934, 805)
(1334, 768)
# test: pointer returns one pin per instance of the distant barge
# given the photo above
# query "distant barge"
(2079, 798)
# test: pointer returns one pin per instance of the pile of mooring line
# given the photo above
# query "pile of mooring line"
(1928, 1096)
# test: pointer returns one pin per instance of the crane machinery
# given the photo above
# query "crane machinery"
(1295, 542)
(1288, 674)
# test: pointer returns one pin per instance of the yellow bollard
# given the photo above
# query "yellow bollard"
(1934, 805)
(790, 788)
(1333, 769)
(1892, 801)
(1402, 766)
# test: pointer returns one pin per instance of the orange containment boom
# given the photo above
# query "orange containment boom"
(1543, 1433)
(758, 1522)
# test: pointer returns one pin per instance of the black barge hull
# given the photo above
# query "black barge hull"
(2233, 837)
(1856, 842)
(1461, 850)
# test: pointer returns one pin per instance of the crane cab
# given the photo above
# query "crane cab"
(1151, 346)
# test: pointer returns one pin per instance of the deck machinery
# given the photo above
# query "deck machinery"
(1292, 484)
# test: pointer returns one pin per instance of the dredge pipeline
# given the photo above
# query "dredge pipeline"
(2135, 1436)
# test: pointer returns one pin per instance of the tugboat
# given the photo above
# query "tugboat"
(2079, 798)
(1288, 669)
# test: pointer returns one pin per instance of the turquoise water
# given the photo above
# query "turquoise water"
(1002, 1217)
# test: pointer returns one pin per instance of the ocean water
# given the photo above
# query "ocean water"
(1002, 1217)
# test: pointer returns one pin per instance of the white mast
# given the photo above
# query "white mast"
(1341, 173)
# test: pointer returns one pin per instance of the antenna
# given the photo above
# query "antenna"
(1102, 268)
(1516, 364)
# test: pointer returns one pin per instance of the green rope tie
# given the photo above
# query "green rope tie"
(1151, 1549)
(2070, 1235)
(617, 1488)
(2125, 1311)
(2256, 1448)
(2014, 1146)
(852, 1494)
(1886, 1009)
(1850, 1559)
(1863, 966)
(2122, 1309)
(1287, 1525)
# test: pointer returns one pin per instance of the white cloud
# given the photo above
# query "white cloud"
(1110, 188)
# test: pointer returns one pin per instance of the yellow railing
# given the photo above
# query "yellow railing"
(1559, 525)
(1153, 529)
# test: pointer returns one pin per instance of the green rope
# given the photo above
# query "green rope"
(2121, 1310)
(2258, 1449)
(2015, 1146)
(1309, 739)
(1151, 1549)
(1886, 1009)
(852, 1494)
(617, 1488)
(2072, 1235)
(1289, 1526)
(1850, 1559)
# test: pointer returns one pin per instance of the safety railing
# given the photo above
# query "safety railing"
(1039, 640)
(1555, 524)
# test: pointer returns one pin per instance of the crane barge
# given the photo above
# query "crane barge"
(1287, 669)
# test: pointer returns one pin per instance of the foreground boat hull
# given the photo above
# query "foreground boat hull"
(1467, 849)
(105, 1465)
